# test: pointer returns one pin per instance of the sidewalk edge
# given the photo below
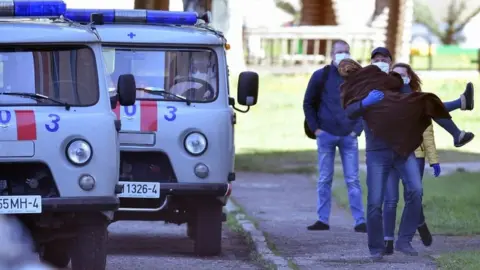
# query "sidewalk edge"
(257, 237)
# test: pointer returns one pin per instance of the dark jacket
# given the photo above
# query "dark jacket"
(398, 116)
(330, 116)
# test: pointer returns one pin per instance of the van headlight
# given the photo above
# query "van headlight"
(79, 152)
(195, 143)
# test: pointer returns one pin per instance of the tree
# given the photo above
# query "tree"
(288, 8)
(454, 23)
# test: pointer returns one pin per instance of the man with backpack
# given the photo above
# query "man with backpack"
(327, 123)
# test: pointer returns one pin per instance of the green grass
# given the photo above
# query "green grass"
(451, 202)
(446, 62)
(463, 260)
(270, 137)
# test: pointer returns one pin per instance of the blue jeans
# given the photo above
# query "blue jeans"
(348, 148)
(379, 165)
(453, 105)
(391, 201)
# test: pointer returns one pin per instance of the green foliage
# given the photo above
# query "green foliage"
(288, 8)
(457, 16)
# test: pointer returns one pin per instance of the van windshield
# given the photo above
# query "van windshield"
(61, 74)
(191, 74)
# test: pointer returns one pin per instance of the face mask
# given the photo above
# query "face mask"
(340, 56)
(406, 80)
(383, 66)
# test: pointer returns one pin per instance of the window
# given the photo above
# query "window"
(66, 73)
(191, 74)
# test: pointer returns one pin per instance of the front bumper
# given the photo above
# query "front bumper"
(80, 204)
(194, 189)
(172, 193)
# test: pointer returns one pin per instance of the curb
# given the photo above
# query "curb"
(257, 238)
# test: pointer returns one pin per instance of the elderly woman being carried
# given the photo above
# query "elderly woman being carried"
(398, 118)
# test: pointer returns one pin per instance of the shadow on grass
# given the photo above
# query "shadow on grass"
(305, 161)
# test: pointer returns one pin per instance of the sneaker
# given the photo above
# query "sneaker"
(406, 248)
(388, 247)
(464, 138)
(425, 235)
(362, 227)
(467, 98)
(318, 226)
(376, 257)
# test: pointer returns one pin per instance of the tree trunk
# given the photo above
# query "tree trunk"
(318, 12)
(152, 4)
(199, 6)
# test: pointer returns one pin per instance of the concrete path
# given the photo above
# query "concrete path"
(282, 206)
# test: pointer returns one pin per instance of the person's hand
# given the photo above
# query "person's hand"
(317, 132)
(436, 169)
(374, 97)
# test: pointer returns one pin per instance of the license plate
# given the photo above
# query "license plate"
(20, 204)
(140, 190)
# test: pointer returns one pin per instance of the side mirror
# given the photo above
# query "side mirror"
(126, 90)
(247, 94)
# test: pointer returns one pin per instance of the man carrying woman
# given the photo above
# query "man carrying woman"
(394, 124)
(427, 149)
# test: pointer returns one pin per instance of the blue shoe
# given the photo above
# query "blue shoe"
(467, 99)
(463, 138)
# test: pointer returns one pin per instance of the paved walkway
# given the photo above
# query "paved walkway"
(283, 205)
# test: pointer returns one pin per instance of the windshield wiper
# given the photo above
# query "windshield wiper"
(164, 94)
(37, 97)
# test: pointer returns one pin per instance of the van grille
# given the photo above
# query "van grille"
(27, 179)
(145, 167)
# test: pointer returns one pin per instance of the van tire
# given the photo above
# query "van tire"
(56, 254)
(89, 249)
(208, 229)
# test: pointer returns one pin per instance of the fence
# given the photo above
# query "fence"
(301, 48)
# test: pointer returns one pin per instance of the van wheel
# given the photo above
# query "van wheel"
(89, 250)
(56, 254)
(208, 229)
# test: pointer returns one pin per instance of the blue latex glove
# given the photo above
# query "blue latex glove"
(374, 97)
(436, 169)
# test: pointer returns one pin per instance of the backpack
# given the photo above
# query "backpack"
(317, 100)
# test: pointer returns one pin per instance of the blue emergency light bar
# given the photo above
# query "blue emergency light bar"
(32, 8)
(134, 16)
